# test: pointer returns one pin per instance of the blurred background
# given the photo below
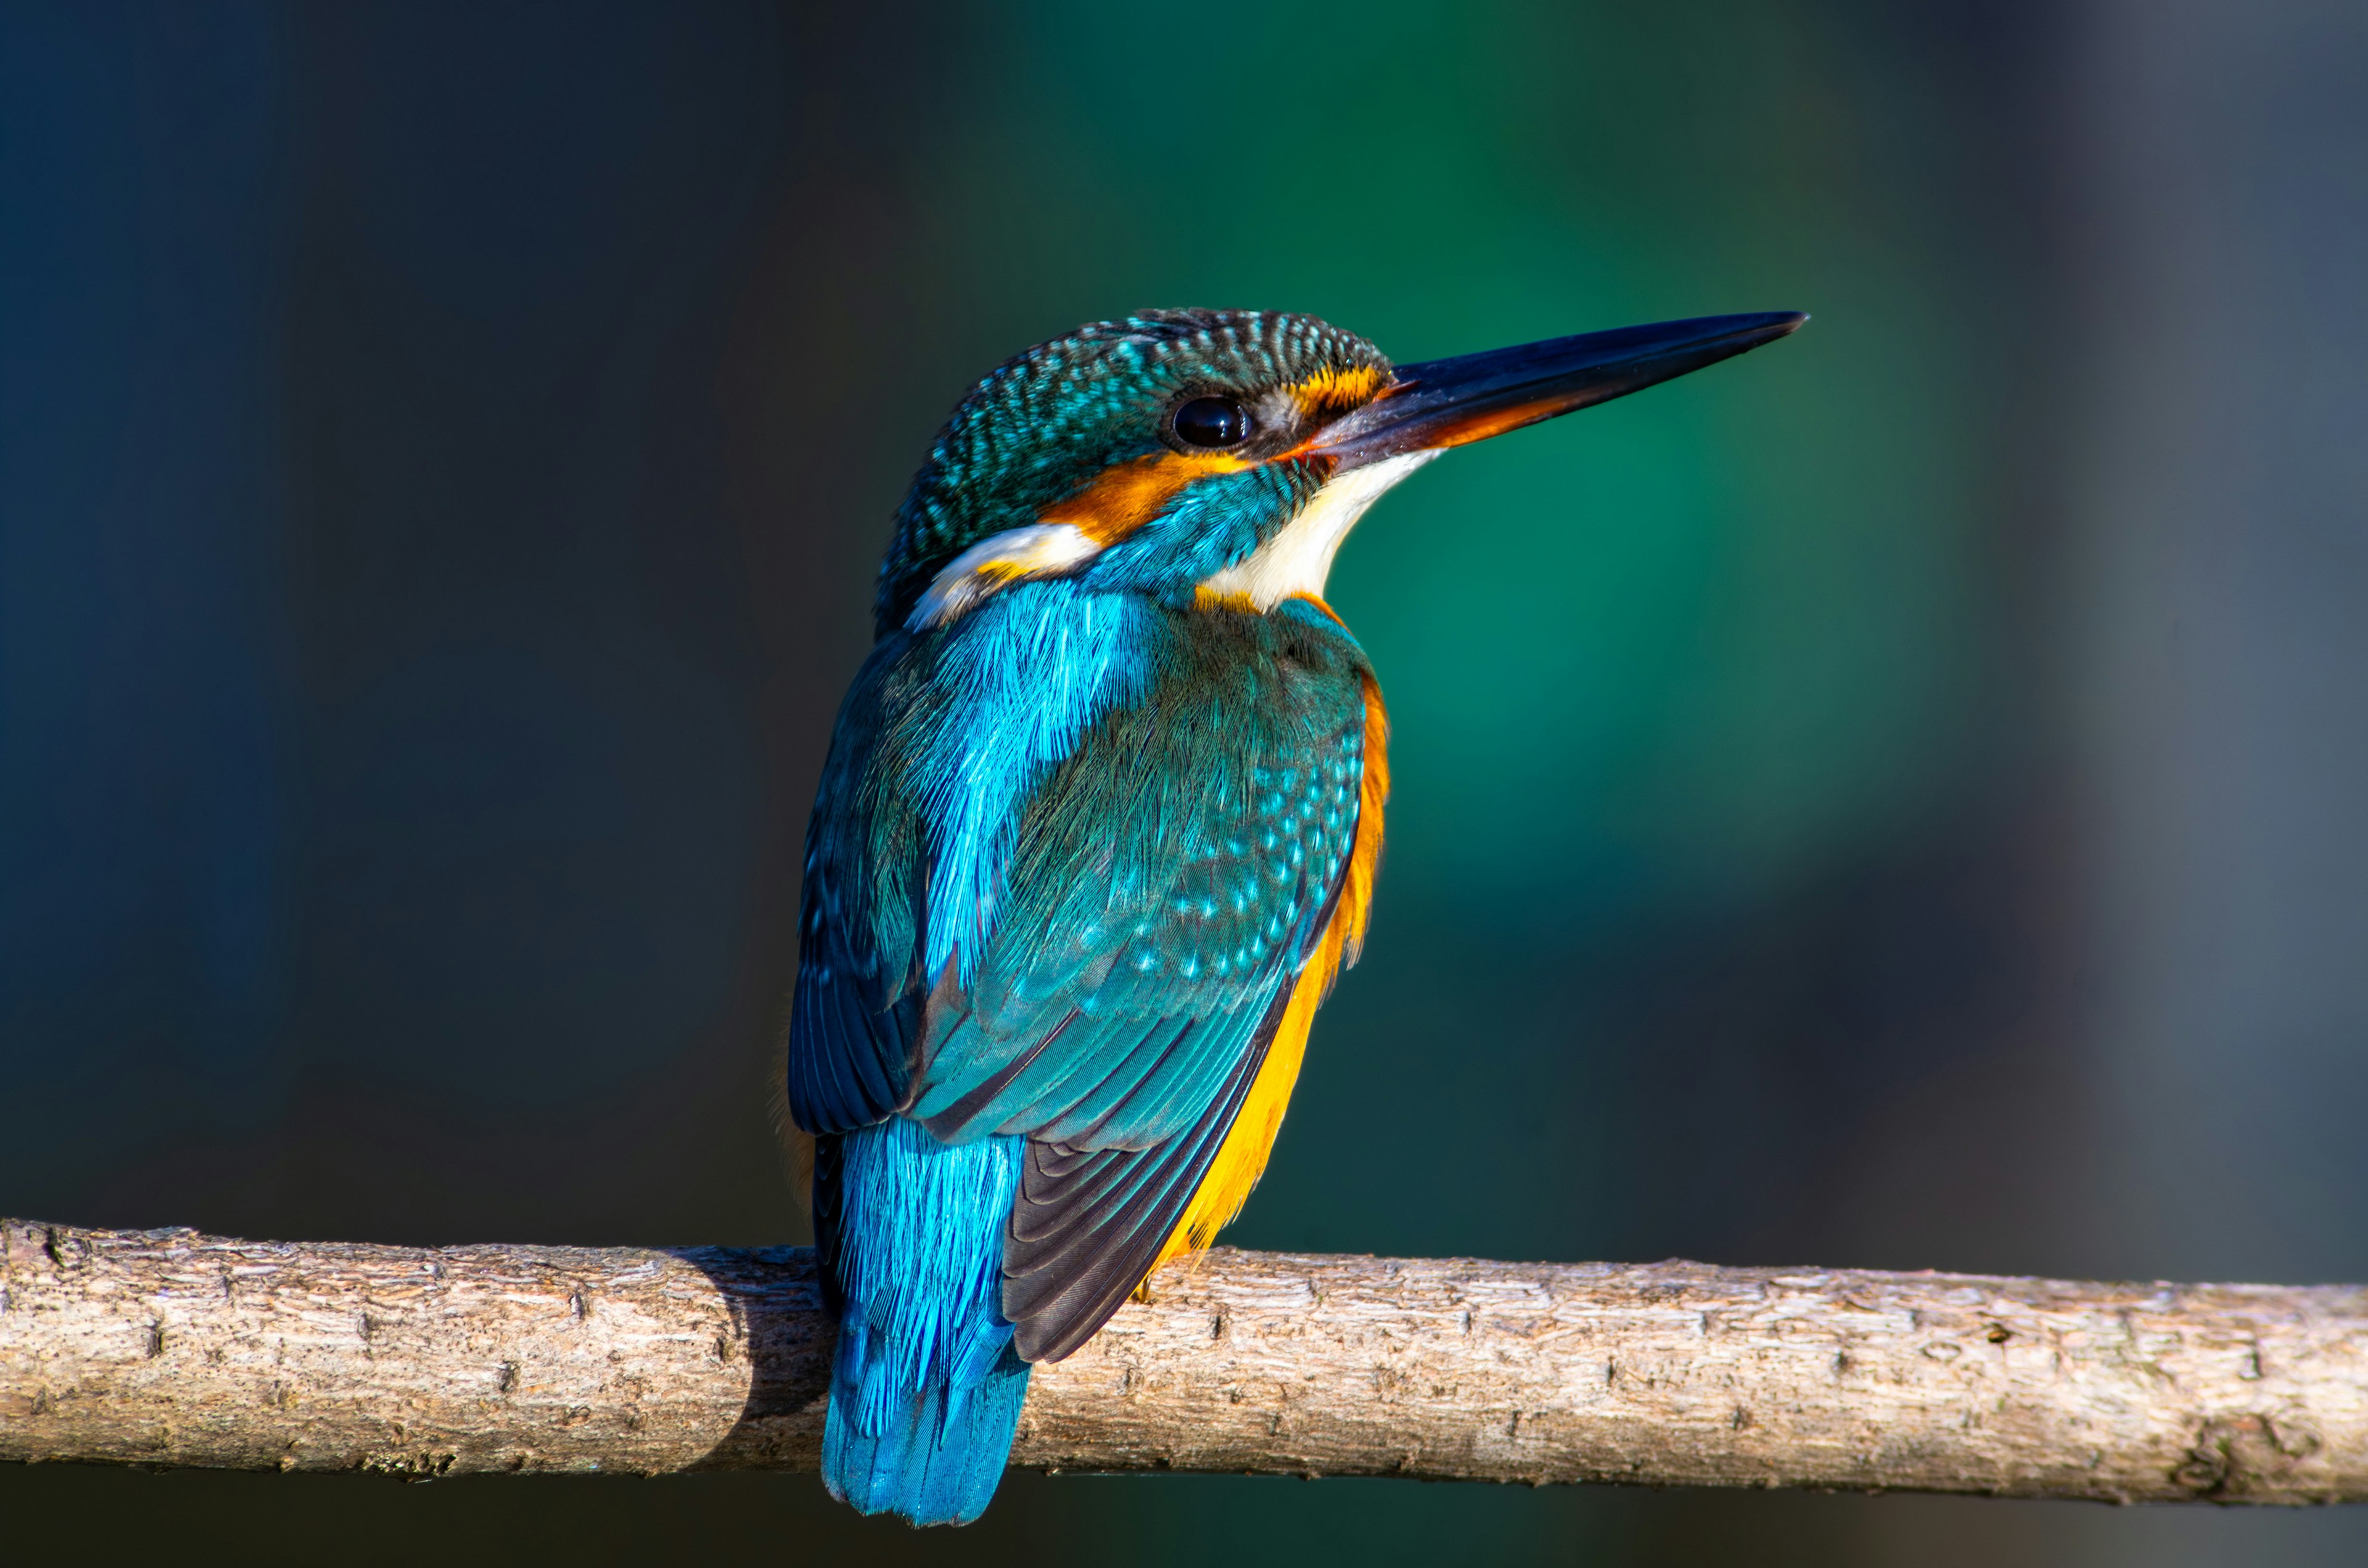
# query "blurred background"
(1898, 800)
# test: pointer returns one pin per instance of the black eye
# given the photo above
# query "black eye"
(1212, 422)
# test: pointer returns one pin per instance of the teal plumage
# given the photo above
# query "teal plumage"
(1097, 827)
(1039, 425)
(1051, 811)
(1158, 888)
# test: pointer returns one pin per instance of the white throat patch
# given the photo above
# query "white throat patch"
(1297, 560)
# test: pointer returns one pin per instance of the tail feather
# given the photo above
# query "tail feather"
(934, 1457)
(925, 1387)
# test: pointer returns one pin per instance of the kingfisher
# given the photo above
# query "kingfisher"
(1098, 830)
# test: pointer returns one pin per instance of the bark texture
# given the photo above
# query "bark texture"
(173, 1348)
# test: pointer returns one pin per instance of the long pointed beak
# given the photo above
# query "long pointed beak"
(1448, 403)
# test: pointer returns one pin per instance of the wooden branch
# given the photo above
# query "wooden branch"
(173, 1348)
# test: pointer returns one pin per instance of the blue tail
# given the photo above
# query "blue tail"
(925, 1390)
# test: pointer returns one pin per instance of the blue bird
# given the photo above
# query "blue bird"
(1098, 830)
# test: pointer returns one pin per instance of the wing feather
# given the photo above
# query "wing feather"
(855, 1017)
(1088, 1224)
(1167, 883)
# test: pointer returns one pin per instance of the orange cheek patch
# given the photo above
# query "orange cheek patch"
(1127, 495)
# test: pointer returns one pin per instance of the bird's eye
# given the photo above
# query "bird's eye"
(1212, 422)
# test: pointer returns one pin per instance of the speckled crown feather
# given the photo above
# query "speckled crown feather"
(1041, 425)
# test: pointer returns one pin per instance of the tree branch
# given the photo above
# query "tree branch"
(172, 1347)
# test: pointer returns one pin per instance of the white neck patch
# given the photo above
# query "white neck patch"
(1297, 560)
(1040, 550)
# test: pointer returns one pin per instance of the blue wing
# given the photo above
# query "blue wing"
(1163, 886)
(856, 1013)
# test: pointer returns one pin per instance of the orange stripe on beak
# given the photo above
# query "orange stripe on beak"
(1483, 423)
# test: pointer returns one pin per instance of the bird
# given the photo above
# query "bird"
(1096, 832)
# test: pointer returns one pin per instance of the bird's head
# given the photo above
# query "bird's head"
(1220, 457)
